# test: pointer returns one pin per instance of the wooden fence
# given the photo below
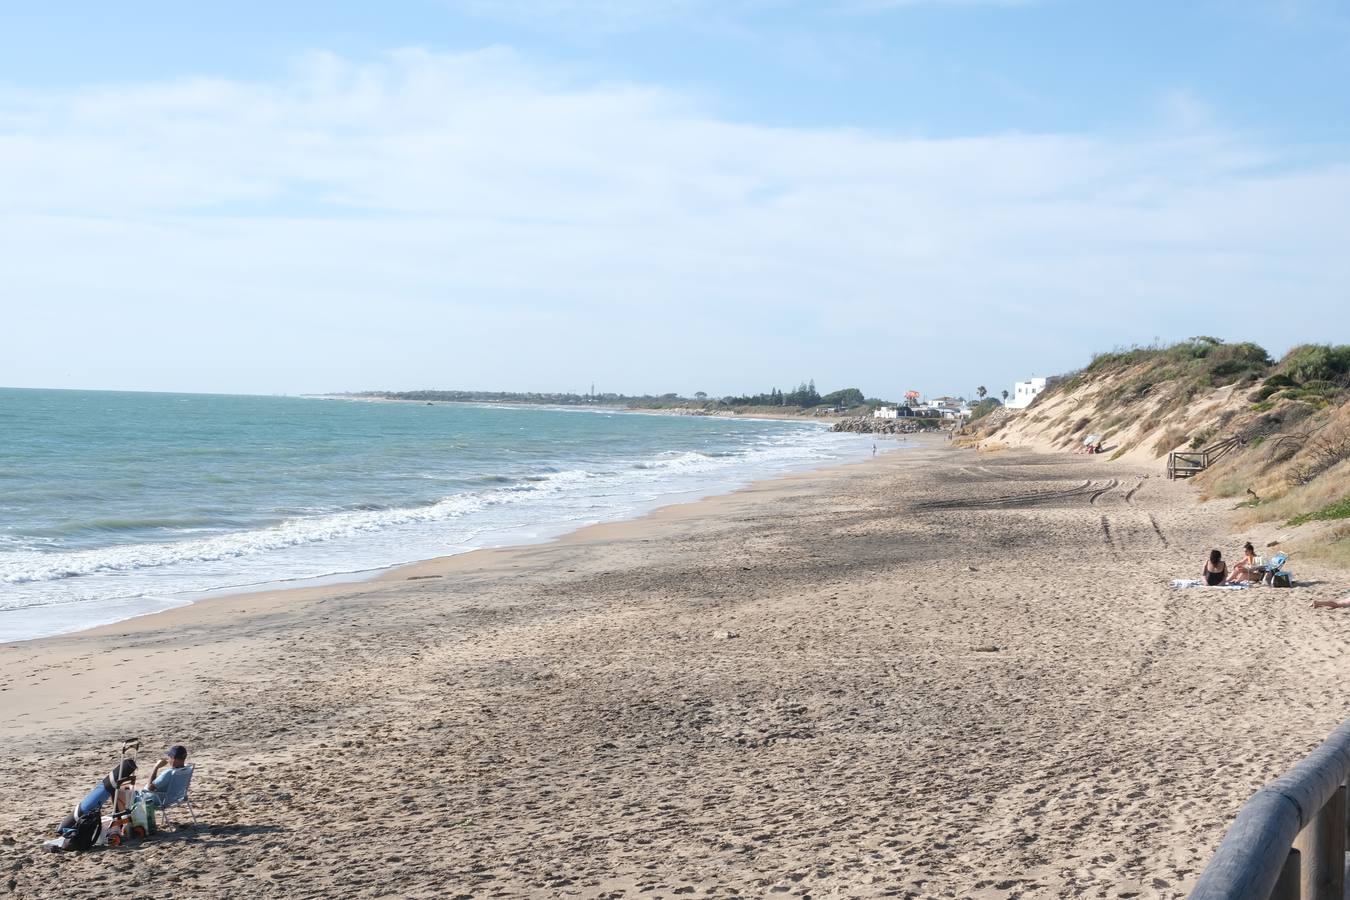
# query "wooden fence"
(1185, 463)
(1288, 841)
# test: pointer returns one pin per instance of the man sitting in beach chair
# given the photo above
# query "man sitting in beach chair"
(170, 787)
(175, 758)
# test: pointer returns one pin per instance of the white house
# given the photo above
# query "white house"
(1024, 392)
(885, 412)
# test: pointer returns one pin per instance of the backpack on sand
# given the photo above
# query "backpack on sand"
(86, 831)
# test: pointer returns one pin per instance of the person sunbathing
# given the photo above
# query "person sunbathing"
(1247, 569)
(1216, 570)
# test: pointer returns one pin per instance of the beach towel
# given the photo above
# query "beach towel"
(1180, 583)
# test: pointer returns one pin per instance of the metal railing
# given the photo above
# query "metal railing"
(1288, 841)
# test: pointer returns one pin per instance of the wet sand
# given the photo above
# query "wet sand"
(939, 673)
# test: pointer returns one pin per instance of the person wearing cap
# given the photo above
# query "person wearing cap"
(174, 758)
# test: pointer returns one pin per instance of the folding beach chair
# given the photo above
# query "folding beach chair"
(1276, 574)
(173, 790)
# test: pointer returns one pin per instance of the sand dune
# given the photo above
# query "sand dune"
(939, 674)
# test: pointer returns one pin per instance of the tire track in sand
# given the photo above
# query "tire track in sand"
(1157, 530)
(1100, 492)
(1028, 499)
(1129, 495)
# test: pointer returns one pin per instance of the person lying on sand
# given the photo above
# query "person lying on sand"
(1216, 570)
(174, 758)
(1332, 604)
(1247, 569)
(94, 801)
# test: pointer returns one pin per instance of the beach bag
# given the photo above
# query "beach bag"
(85, 831)
(1279, 579)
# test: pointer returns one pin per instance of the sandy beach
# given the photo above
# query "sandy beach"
(936, 674)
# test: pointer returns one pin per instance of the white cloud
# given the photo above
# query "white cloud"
(470, 220)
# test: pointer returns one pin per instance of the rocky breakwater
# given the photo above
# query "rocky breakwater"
(872, 425)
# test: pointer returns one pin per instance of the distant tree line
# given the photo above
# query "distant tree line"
(804, 396)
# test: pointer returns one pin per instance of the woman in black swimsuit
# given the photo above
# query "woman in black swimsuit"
(1216, 570)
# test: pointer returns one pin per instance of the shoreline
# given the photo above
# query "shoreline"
(284, 563)
(904, 677)
(341, 580)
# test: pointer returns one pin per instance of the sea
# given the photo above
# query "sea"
(116, 504)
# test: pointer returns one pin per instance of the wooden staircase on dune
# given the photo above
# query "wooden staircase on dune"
(1185, 463)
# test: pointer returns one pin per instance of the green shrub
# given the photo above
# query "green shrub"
(1264, 393)
(1119, 358)
(1229, 361)
(1073, 383)
(1295, 413)
(1316, 362)
(983, 408)
(1185, 369)
(1140, 389)
(1338, 510)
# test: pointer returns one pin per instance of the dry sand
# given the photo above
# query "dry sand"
(935, 674)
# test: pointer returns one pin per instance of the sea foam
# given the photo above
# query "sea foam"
(331, 492)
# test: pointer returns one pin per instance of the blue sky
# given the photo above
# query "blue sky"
(670, 195)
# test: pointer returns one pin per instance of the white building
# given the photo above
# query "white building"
(1024, 392)
(885, 412)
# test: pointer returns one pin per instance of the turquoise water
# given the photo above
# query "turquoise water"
(116, 504)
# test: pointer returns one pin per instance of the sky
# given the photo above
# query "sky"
(670, 195)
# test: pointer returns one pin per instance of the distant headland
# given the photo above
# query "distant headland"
(804, 400)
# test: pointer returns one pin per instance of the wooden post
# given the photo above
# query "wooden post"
(1287, 887)
(1323, 847)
